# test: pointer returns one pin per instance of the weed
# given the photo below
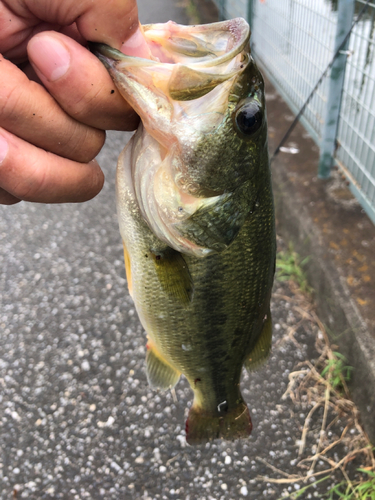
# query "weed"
(301, 492)
(336, 372)
(358, 490)
(320, 388)
(289, 267)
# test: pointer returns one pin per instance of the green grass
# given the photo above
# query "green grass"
(301, 492)
(357, 490)
(289, 267)
(336, 371)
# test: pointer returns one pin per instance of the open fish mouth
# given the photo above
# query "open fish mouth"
(184, 94)
(186, 62)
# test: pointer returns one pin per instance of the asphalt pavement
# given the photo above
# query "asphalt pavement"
(77, 418)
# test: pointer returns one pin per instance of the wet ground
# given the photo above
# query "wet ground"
(77, 418)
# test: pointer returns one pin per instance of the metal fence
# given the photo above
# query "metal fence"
(294, 40)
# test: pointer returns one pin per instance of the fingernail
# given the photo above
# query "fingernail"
(3, 148)
(136, 46)
(49, 56)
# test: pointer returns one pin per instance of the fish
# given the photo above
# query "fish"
(196, 214)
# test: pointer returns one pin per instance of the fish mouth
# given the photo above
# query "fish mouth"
(181, 94)
(171, 42)
(187, 62)
(188, 78)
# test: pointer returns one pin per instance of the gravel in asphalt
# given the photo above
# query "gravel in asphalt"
(77, 417)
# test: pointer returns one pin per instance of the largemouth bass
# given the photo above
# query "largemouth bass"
(196, 214)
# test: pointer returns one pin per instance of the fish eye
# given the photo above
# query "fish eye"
(249, 118)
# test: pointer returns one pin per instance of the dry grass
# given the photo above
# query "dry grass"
(321, 389)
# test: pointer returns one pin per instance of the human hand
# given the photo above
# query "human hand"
(50, 132)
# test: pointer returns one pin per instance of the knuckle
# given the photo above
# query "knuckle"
(29, 186)
(87, 103)
(15, 91)
(10, 97)
(83, 143)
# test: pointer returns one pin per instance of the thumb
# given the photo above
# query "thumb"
(105, 21)
(79, 82)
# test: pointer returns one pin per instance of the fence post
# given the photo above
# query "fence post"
(250, 13)
(336, 83)
(222, 5)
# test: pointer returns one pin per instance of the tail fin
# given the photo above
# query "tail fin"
(203, 426)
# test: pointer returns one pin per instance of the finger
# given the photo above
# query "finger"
(30, 112)
(79, 82)
(32, 174)
(106, 21)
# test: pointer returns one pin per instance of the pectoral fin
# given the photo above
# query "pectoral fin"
(160, 374)
(262, 348)
(173, 274)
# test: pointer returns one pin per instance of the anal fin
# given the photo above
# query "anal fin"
(261, 350)
(160, 374)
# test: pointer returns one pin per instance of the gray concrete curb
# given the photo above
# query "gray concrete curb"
(320, 226)
(335, 305)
